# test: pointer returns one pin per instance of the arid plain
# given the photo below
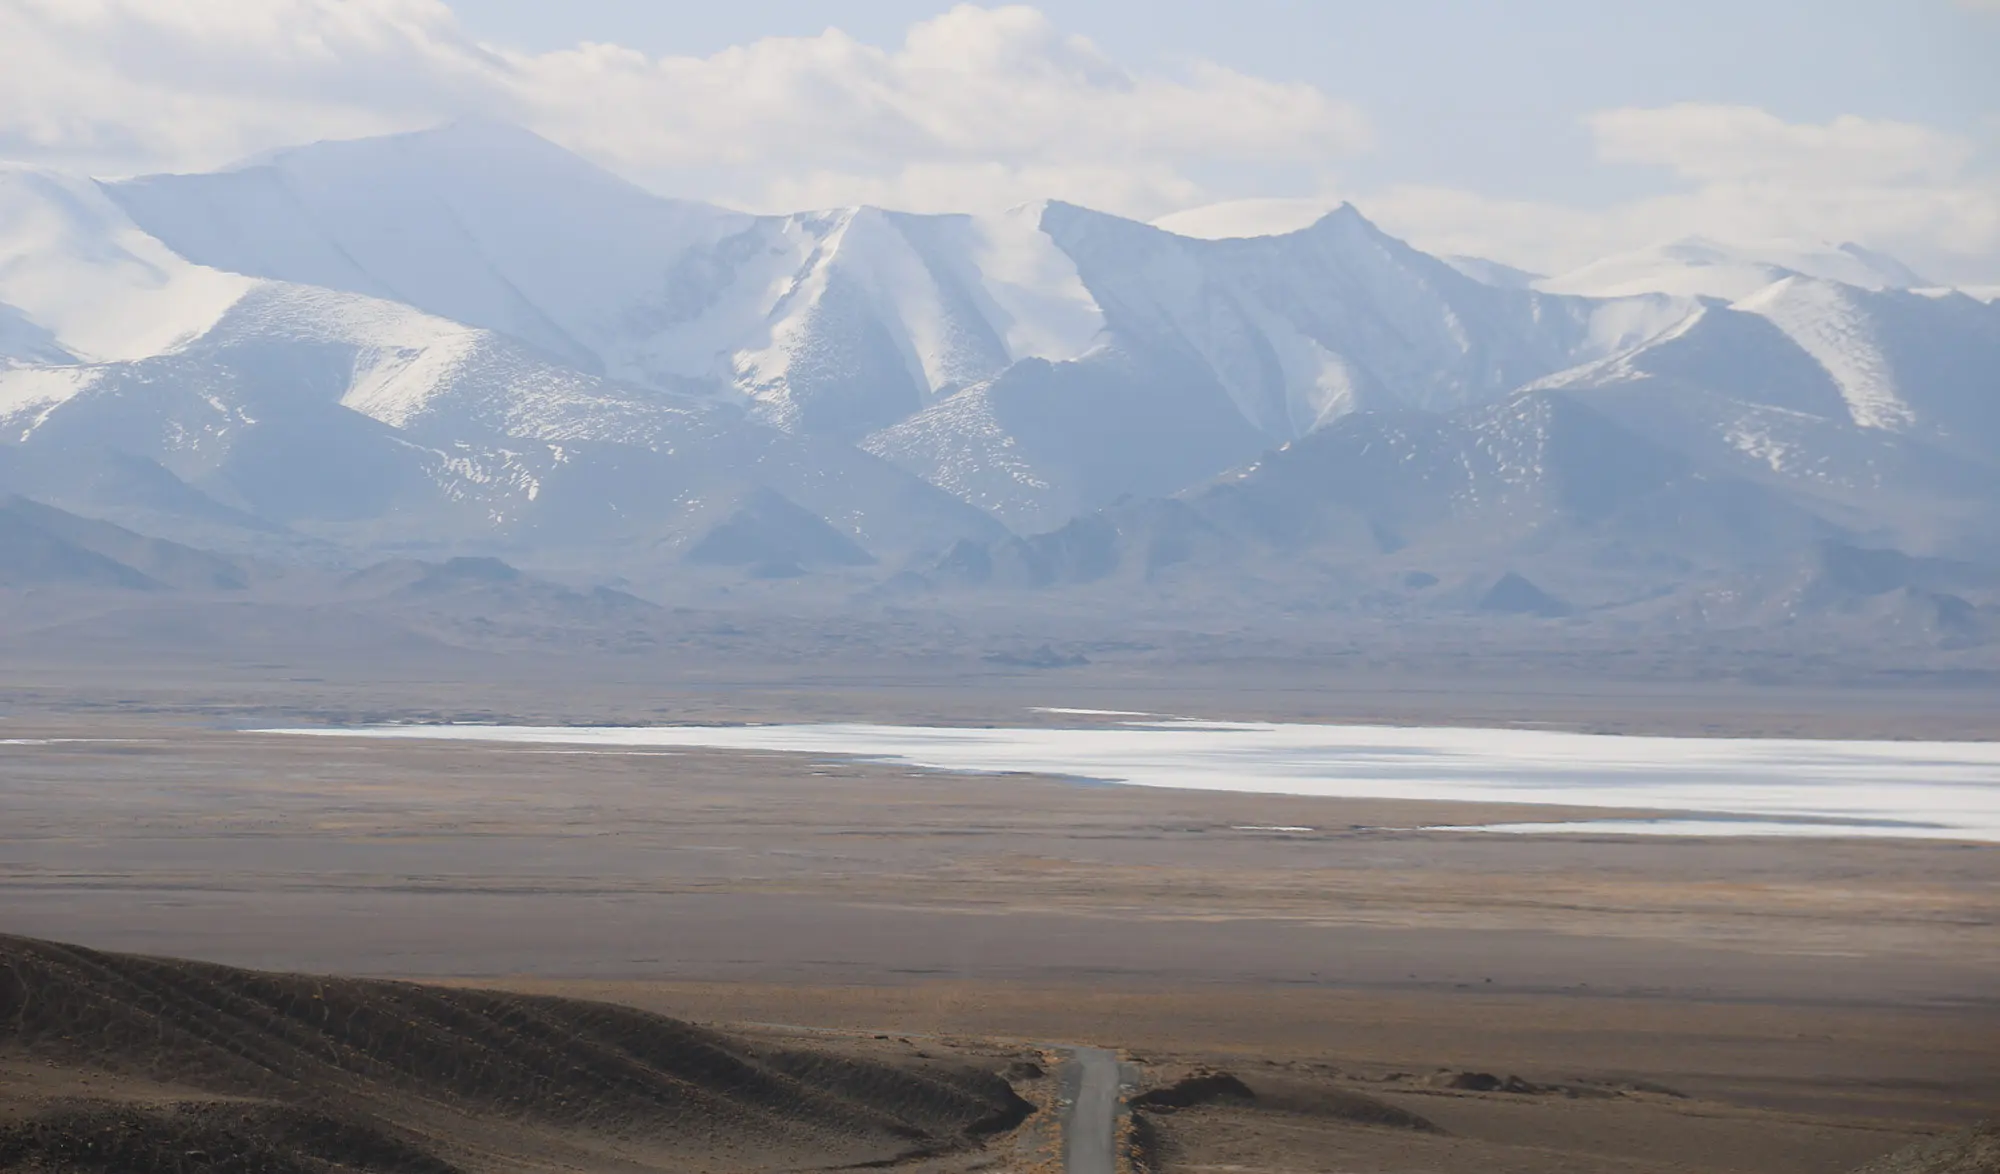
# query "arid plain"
(1642, 1004)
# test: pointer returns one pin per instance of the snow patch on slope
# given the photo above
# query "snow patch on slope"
(29, 394)
(1990, 294)
(1828, 324)
(416, 370)
(479, 222)
(1619, 325)
(75, 266)
(394, 386)
(21, 341)
(1041, 308)
(492, 227)
(959, 445)
(1302, 328)
(1494, 273)
(1627, 342)
(856, 273)
(1698, 267)
(883, 309)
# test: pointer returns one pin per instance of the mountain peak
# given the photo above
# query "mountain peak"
(1346, 219)
(484, 146)
(493, 137)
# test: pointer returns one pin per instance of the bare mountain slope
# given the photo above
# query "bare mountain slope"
(315, 409)
(294, 1072)
(1881, 409)
(44, 546)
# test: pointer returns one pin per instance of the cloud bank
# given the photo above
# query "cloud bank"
(1732, 173)
(977, 108)
(1742, 174)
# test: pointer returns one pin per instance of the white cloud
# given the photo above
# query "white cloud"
(1745, 175)
(1251, 216)
(977, 108)
(1134, 188)
(1742, 143)
(1742, 175)
(127, 83)
(976, 105)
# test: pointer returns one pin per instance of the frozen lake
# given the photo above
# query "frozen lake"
(1947, 790)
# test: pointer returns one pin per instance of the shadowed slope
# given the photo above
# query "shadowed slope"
(458, 1069)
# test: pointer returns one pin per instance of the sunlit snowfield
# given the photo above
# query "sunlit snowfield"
(1947, 790)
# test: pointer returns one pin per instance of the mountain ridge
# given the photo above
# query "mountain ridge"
(467, 341)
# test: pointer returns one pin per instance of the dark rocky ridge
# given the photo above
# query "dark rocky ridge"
(295, 1072)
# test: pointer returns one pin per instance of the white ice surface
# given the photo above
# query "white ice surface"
(1695, 826)
(1802, 787)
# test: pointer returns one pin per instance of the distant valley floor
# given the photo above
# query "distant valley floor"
(1814, 1005)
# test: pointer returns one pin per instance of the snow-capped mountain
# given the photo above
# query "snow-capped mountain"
(479, 223)
(1888, 361)
(1544, 471)
(827, 322)
(844, 321)
(1697, 267)
(256, 398)
(1879, 409)
(1215, 350)
(469, 338)
(79, 281)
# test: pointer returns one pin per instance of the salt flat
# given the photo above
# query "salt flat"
(1713, 786)
(1817, 1001)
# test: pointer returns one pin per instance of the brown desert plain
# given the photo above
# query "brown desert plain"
(563, 959)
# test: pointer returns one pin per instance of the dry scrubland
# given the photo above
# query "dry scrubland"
(855, 931)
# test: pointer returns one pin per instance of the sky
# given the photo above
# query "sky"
(1542, 133)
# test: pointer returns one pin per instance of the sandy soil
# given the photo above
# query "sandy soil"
(767, 670)
(1816, 1003)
